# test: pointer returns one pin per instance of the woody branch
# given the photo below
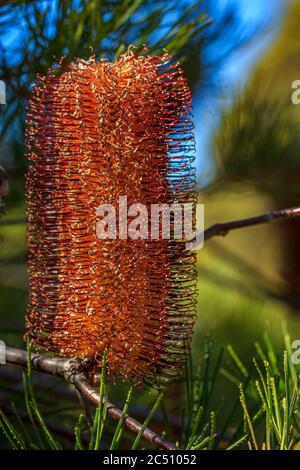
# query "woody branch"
(72, 371)
(222, 229)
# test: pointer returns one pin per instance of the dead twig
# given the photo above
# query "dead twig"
(222, 229)
(72, 371)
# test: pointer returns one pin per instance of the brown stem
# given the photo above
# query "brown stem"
(116, 413)
(222, 229)
(63, 367)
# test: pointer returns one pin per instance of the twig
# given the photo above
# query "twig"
(222, 229)
(129, 422)
(70, 369)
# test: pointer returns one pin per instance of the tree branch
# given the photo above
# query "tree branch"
(222, 229)
(70, 370)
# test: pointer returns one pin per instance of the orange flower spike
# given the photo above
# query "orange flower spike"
(97, 131)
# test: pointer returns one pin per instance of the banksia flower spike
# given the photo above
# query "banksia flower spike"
(98, 131)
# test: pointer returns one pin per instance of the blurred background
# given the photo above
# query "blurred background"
(240, 58)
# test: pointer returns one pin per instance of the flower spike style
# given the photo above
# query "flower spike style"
(97, 131)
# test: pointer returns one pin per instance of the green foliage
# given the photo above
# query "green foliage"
(258, 143)
(34, 35)
(147, 421)
(20, 439)
(272, 422)
(258, 137)
(119, 429)
(47, 31)
(264, 415)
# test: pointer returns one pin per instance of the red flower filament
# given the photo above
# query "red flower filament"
(96, 131)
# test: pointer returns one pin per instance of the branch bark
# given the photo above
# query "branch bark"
(222, 229)
(70, 370)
